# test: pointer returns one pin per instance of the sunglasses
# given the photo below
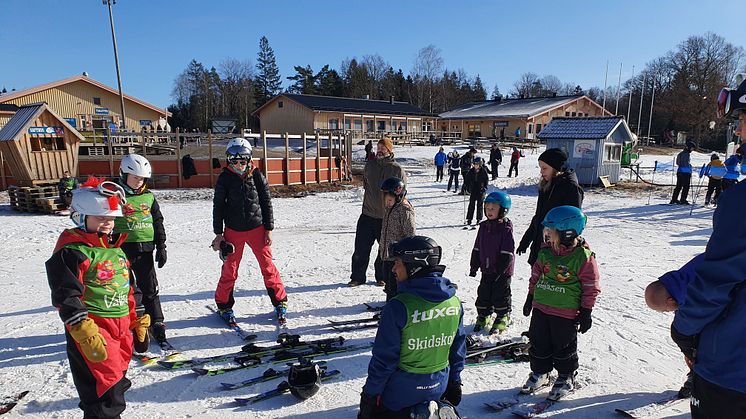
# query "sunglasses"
(238, 161)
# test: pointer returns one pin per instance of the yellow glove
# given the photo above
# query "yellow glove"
(140, 327)
(90, 340)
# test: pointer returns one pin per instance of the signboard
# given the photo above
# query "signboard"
(583, 148)
(145, 122)
(500, 124)
(72, 121)
(102, 111)
(46, 131)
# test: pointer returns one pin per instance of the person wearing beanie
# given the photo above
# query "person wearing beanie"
(558, 186)
(683, 175)
(369, 224)
(715, 170)
(515, 157)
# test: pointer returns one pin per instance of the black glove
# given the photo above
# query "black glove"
(453, 393)
(473, 273)
(368, 406)
(528, 305)
(161, 256)
(584, 320)
(687, 344)
(521, 249)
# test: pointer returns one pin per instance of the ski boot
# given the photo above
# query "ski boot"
(564, 384)
(535, 381)
(480, 324)
(501, 323)
(282, 310)
(686, 390)
(228, 316)
(158, 332)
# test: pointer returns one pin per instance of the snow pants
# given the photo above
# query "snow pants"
(101, 385)
(716, 186)
(682, 185)
(229, 273)
(727, 183)
(495, 165)
(390, 280)
(554, 343)
(493, 295)
(478, 200)
(710, 401)
(367, 232)
(513, 165)
(438, 173)
(453, 176)
(144, 268)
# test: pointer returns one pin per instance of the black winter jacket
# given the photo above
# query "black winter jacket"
(564, 190)
(476, 181)
(496, 155)
(466, 161)
(242, 203)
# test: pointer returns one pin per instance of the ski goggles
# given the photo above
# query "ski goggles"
(724, 106)
(109, 188)
(238, 161)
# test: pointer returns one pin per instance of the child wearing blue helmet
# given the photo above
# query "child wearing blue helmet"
(562, 291)
(494, 254)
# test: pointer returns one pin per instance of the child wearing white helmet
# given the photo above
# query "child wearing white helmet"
(94, 291)
(241, 215)
(143, 222)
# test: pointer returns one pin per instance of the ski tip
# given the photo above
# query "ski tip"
(250, 337)
(228, 386)
(201, 371)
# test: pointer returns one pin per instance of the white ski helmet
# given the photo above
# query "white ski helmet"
(135, 164)
(238, 148)
(103, 199)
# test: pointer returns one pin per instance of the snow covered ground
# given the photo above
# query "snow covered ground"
(627, 359)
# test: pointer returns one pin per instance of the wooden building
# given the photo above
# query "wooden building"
(593, 145)
(499, 118)
(39, 145)
(86, 104)
(357, 117)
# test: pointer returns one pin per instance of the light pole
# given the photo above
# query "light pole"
(116, 61)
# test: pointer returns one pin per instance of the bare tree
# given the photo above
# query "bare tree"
(427, 67)
(525, 84)
(551, 84)
(376, 67)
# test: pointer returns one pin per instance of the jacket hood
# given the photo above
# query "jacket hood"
(563, 251)
(76, 235)
(430, 285)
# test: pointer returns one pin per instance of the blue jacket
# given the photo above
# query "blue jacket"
(731, 165)
(683, 162)
(440, 159)
(715, 306)
(676, 282)
(399, 389)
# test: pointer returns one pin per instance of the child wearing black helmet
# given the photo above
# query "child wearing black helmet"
(398, 223)
(475, 182)
(494, 254)
(562, 291)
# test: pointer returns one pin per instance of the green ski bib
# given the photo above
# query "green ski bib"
(137, 221)
(106, 281)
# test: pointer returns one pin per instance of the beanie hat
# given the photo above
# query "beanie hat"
(714, 157)
(387, 143)
(554, 157)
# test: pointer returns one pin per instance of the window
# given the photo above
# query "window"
(567, 113)
(612, 152)
(538, 128)
(97, 101)
(381, 125)
(403, 126)
(573, 114)
(358, 125)
(530, 128)
(280, 104)
(475, 130)
(334, 124)
(47, 144)
(347, 124)
(370, 126)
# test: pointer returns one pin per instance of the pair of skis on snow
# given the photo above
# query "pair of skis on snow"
(281, 388)
(504, 352)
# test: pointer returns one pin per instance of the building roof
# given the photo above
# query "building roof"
(351, 105)
(31, 90)
(508, 108)
(8, 108)
(582, 128)
(25, 116)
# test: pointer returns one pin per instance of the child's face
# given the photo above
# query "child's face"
(135, 182)
(491, 210)
(546, 171)
(98, 224)
(659, 299)
(389, 201)
(399, 270)
(552, 237)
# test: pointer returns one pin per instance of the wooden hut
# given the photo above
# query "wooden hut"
(39, 145)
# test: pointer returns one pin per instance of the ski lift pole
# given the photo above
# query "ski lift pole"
(655, 168)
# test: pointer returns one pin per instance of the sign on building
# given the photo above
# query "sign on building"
(102, 111)
(46, 131)
(583, 148)
(145, 122)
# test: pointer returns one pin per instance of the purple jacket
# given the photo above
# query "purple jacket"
(494, 248)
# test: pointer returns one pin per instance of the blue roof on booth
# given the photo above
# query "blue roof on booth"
(583, 128)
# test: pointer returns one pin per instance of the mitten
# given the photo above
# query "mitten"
(92, 344)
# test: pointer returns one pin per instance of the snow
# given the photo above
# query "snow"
(627, 359)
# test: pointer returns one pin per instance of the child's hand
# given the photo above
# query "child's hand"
(216, 242)
(473, 273)
(268, 238)
(92, 344)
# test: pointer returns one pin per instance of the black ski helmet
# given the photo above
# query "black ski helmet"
(416, 252)
(304, 379)
(396, 187)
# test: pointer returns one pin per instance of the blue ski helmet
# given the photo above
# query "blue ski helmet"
(569, 221)
(478, 160)
(500, 198)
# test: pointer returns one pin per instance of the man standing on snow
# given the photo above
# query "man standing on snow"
(369, 224)
(683, 175)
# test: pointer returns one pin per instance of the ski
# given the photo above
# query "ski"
(243, 363)
(353, 328)
(653, 408)
(186, 363)
(507, 403)
(373, 319)
(9, 402)
(535, 409)
(282, 388)
(244, 335)
(371, 307)
(519, 342)
(267, 375)
(493, 361)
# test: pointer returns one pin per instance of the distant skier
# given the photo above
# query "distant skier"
(496, 159)
(66, 187)
(515, 157)
(242, 214)
(475, 183)
(683, 175)
(398, 223)
(454, 170)
(440, 161)
(494, 254)
(731, 166)
(562, 291)
(715, 170)
(416, 357)
(467, 160)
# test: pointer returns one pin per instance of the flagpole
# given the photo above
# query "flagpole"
(606, 78)
(652, 102)
(618, 90)
(639, 114)
(629, 102)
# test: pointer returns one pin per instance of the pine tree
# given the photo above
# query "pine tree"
(267, 82)
(304, 81)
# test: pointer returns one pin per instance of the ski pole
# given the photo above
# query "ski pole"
(696, 194)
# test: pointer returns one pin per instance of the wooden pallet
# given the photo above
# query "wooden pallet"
(28, 198)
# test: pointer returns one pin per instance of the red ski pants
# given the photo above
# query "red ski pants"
(263, 253)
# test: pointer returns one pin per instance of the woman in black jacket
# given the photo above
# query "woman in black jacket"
(558, 186)
(243, 205)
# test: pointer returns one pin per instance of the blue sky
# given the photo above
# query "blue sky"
(47, 40)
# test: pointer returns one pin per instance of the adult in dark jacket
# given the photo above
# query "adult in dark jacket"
(496, 158)
(242, 214)
(418, 356)
(709, 327)
(683, 175)
(369, 224)
(454, 169)
(476, 181)
(369, 151)
(558, 186)
(466, 161)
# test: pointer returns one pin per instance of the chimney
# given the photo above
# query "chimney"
(391, 100)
